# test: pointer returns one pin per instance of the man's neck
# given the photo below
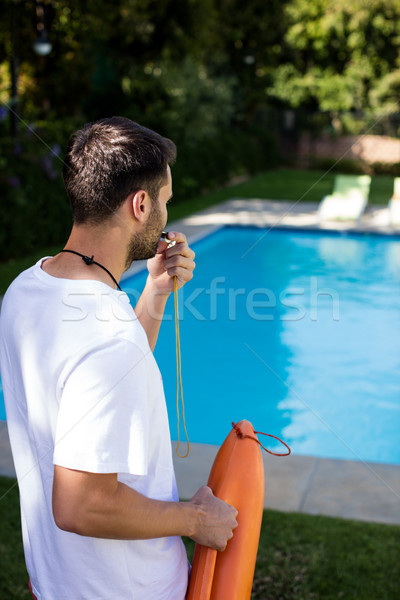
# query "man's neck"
(105, 245)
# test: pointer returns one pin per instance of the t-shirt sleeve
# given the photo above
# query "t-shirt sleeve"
(102, 424)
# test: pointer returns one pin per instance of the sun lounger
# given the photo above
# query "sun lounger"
(394, 204)
(348, 200)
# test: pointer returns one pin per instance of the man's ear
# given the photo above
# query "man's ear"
(141, 205)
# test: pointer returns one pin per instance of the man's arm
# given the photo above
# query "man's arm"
(98, 505)
(168, 263)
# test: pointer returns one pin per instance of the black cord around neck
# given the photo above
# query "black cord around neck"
(89, 261)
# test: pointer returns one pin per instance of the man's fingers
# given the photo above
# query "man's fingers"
(176, 236)
(181, 249)
(218, 520)
(182, 275)
(179, 261)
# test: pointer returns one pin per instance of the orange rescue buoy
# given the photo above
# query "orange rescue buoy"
(237, 477)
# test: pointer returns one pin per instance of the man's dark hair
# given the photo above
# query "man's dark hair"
(108, 160)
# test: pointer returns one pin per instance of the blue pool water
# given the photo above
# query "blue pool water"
(299, 335)
(2, 410)
(297, 332)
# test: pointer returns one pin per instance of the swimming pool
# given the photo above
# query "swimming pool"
(297, 332)
(299, 335)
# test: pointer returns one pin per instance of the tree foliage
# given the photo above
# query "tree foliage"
(124, 56)
(341, 56)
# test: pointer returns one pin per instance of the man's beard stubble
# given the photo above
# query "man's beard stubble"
(144, 245)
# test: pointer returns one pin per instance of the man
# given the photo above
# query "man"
(85, 405)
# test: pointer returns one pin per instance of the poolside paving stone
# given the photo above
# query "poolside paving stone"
(6, 459)
(355, 490)
(316, 486)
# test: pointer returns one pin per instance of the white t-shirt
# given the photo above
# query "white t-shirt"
(83, 391)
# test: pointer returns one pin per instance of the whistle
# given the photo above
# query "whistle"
(164, 238)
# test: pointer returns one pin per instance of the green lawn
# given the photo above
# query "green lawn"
(281, 184)
(300, 557)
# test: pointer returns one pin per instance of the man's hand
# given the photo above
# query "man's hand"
(178, 260)
(216, 520)
(168, 263)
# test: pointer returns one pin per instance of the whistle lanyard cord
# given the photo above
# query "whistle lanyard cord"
(179, 387)
(89, 261)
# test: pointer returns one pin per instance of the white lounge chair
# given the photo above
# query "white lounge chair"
(394, 204)
(348, 200)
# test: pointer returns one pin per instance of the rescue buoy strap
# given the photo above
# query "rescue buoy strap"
(240, 434)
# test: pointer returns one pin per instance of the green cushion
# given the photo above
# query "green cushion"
(350, 185)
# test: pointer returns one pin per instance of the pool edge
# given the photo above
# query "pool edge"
(316, 486)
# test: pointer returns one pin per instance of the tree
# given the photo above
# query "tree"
(342, 56)
(251, 34)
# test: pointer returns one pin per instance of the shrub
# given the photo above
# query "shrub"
(33, 211)
(341, 165)
(386, 169)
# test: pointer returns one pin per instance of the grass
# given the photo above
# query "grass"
(303, 557)
(300, 557)
(281, 184)
(13, 575)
